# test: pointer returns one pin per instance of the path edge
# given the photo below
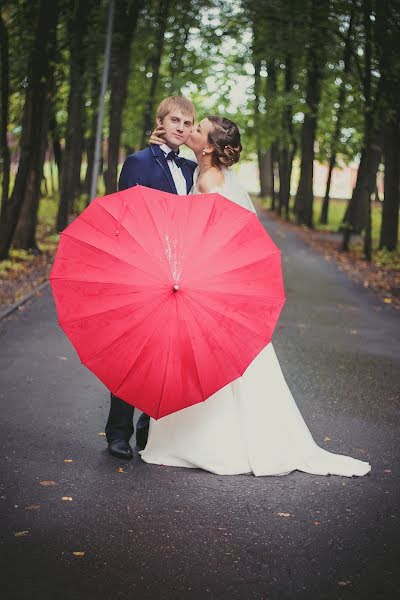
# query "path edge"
(13, 307)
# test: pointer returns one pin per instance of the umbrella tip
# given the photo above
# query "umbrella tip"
(175, 287)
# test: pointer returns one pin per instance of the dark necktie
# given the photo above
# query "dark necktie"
(173, 156)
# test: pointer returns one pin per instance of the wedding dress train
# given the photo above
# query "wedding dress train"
(252, 425)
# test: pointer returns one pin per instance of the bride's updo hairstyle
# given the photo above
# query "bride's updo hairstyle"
(224, 137)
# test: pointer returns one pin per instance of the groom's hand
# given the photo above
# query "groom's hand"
(157, 137)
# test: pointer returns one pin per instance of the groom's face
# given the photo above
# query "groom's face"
(177, 127)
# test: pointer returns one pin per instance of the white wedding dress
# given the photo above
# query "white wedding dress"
(252, 425)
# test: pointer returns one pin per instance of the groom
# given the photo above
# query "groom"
(161, 168)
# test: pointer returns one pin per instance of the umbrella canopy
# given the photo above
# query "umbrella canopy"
(167, 298)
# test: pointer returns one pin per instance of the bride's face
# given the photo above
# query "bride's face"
(198, 139)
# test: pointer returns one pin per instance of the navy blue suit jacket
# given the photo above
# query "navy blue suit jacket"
(149, 167)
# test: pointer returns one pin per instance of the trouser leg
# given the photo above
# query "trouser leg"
(120, 420)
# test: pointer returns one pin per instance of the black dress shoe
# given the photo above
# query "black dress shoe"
(120, 448)
(141, 437)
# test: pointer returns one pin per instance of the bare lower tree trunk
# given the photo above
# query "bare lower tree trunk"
(156, 63)
(315, 63)
(288, 145)
(274, 163)
(265, 170)
(126, 18)
(5, 99)
(356, 216)
(34, 123)
(25, 232)
(57, 149)
(358, 213)
(339, 116)
(389, 235)
(73, 143)
(387, 35)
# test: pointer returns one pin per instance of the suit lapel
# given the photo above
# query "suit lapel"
(161, 160)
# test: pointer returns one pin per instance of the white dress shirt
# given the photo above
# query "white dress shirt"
(176, 172)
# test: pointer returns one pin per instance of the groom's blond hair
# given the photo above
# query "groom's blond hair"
(175, 102)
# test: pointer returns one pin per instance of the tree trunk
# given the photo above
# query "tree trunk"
(57, 149)
(274, 162)
(339, 116)
(5, 99)
(34, 123)
(265, 173)
(74, 135)
(263, 156)
(25, 232)
(156, 62)
(126, 19)
(386, 38)
(305, 196)
(358, 213)
(389, 235)
(288, 145)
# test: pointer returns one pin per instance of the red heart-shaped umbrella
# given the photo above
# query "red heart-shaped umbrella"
(167, 298)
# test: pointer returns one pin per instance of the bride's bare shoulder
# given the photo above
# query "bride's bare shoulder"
(209, 180)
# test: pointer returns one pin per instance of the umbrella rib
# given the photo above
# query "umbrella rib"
(245, 266)
(193, 353)
(238, 219)
(250, 294)
(224, 350)
(216, 315)
(165, 377)
(53, 278)
(155, 227)
(137, 357)
(92, 315)
(127, 230)
(104, 252)
(121, 336)
(243, 220)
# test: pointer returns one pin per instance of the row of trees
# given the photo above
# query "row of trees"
(324, 79)
(336, 65)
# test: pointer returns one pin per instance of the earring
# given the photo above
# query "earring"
(203, 153)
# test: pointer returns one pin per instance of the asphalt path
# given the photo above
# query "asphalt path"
(155, 532)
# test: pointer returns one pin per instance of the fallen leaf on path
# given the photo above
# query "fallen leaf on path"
(120, 470)
(284, 514)
(316, 523)
(387, 300)
(32, 507)
(343, 583)
(45, 483)
(102, 433)
(78, 553)
(387, 470)
(68, 460)
(327, 439)
(21, 533)
(67, 498)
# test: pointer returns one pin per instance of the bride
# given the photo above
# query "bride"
(253, 424)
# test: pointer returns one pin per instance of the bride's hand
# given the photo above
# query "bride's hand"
(157, 137)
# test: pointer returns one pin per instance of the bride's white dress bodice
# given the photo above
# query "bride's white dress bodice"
(251, 425)
(231, 189)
